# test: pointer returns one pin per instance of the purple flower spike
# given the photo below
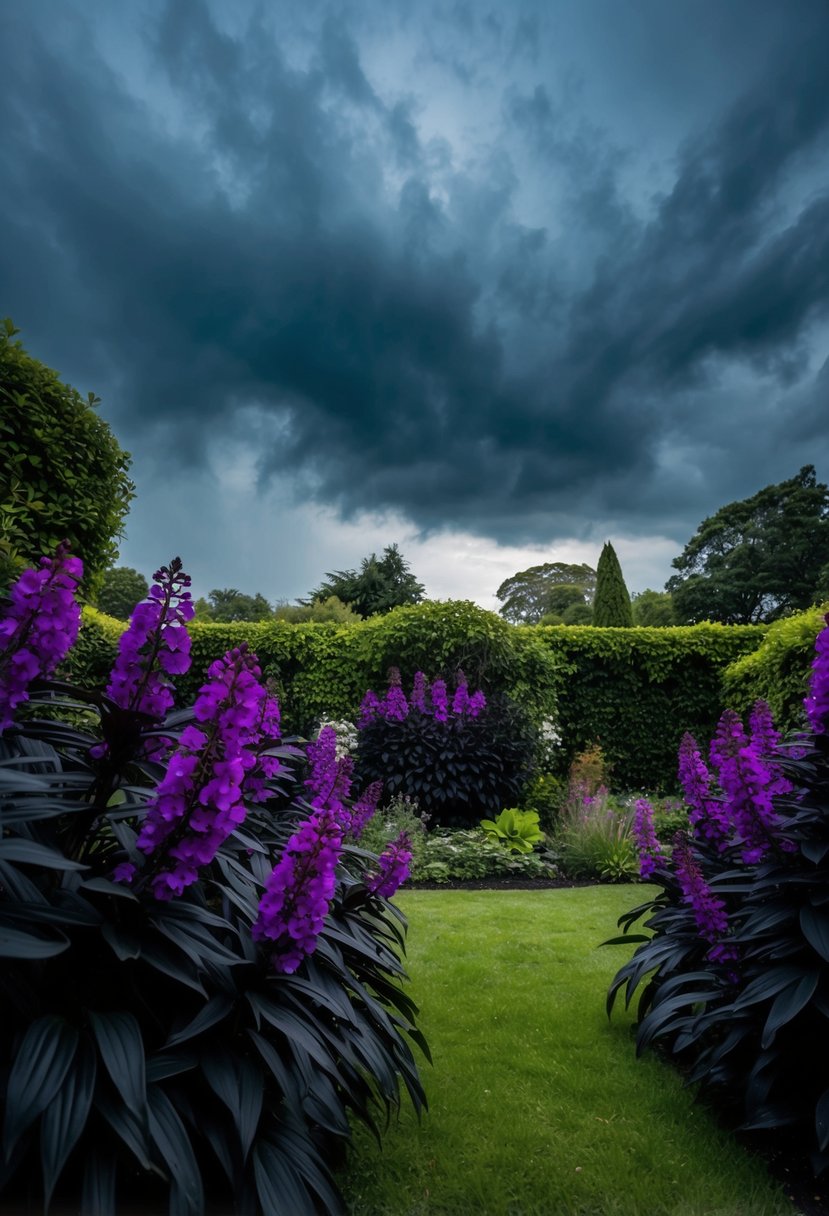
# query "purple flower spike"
(816, 702)
(647, 842)
(299, 891)
(708, 816)
(709, 911)
(364, 808)
(393, 869)
(440, 704)
(39, 627)
(395, 707)
(460, 701)
(419, 690)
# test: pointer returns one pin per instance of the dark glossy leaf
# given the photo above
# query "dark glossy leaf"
(99, 1179)
(815, 925)
(122, 1050)
(768, 985)
(788, 1004)
(170, 1138)
(65, 1118)
(278, 1185)
(123, 1121)
(14, 943)
(29, 852)
(104, 886)
(124, 945)
(217, 1008)
(169, 1064)
(40, 1065)
(238, 1082)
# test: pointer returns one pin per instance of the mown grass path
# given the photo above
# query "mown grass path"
(538, 1106)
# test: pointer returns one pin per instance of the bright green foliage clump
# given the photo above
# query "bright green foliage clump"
(778, 671)
(611, 608)
(62, 474)
(516, 830)
(636, 691)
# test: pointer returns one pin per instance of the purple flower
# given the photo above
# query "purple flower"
(647, 842)
(395, 707)
(393, 867)
(369, 709)
(708, 817)
(765, 741)
(709, 911)
(460, 701)
(477, 702)
(299, 891)
(39, 627)
(440, 704)
(816, 702)
(419, 690)
(330, 778)
(200, 799)
(364, 808)
(747, 782)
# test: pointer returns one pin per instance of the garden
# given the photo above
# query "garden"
(425, 914)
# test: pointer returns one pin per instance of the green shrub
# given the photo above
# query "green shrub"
(467, 855)
(778, 671)
(62, 474)
(636, 691)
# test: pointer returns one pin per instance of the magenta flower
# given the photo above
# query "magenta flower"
(364, 808)
(393, 867)
(395, 707)
(369, 709)
(647, 842)
(39, 627)
(816, 702)
(419, 690)
(200, 799)
(440, 704)
(460, 700)
(710, 913)
(477, 702)
(299, 891)
(707, 815)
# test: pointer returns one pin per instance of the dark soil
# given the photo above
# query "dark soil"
(785, 1161)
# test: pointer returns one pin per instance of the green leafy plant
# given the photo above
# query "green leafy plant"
(162, 1039)
(468, 854)
(515, 830)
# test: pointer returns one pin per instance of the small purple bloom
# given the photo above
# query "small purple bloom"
(299, 891)
(440, 704)
(393, 867)
(709, 911)
(647, 842)
(39, 628)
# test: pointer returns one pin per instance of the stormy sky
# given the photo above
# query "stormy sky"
(496, 281)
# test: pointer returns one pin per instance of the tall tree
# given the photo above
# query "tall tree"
(378, 586)
(531, 594)
(611, 608)
(121, 590)
(757, 559)
(62, 474)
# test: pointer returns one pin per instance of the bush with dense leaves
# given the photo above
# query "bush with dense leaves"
(163, 1037)
(461, 768)
(734, 973)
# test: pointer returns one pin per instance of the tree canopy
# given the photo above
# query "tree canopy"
(228, 604)
(757, 559)
(611, 608)
(545, 590)
(653, 608)
(62, 474)
(378, 586)
(121, 589)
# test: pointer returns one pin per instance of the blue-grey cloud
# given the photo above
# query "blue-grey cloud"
(454, 285)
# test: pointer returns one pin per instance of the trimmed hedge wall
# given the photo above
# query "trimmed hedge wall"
(636, 691)
(633, 691)
(779, 670)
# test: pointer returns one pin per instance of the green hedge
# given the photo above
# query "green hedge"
(779, 670)
(635, 691)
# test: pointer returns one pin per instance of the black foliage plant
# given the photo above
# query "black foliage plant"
(733, 976)
(460, 769)
(151, 1055)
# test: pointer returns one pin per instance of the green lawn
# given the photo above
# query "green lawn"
(538, 1105)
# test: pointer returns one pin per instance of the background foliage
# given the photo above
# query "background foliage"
(62, 474)
(778, 671)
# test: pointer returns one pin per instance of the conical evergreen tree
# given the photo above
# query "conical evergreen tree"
(611, 607)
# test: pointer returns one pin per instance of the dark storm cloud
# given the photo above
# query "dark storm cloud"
(263, 238)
